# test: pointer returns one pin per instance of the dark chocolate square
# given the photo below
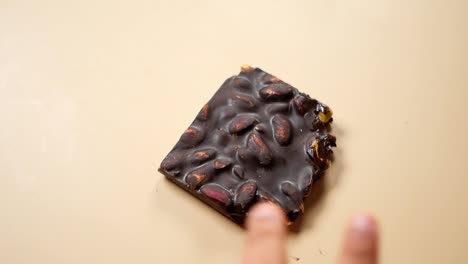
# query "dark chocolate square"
(257, 139)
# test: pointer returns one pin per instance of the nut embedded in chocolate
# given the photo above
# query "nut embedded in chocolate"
(192, 137)
(195, 178)
(172, 161)
(217, 194)
(281, 129)
(201, 156)
(305, 181)
(241, 82)
(259, 149)
(222, 163)
(238, 171)
(276, 92)
(245, 196)
(243, 101)
(257, 139)
(204, 113)
(291, 190)
(303, 103)
(241, 123)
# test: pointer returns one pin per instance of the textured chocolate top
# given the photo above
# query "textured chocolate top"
(258, 138)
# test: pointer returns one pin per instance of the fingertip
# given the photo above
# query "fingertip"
(361, 240)
(266, 235)
(265, 221)
(265, 212)
(363, 224)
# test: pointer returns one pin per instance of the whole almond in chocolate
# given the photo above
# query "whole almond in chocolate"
(217, 194)
(281, 129)
(241, 123)
(276, 92)
(245, 195)
(195, 178)
(200, 156)
(204, 113)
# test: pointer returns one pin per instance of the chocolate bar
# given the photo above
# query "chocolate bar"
(257, 139)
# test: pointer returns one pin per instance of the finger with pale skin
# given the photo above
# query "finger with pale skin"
(360, 245)
(266, 235)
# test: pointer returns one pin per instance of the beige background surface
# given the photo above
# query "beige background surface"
(93, 94)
